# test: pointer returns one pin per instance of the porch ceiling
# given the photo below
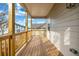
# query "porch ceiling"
(39, 9)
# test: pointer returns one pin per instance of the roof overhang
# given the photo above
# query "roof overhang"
(38, 10)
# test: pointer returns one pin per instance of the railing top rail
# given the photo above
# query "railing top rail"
(20, 33)
(6, 36)
(38, 29)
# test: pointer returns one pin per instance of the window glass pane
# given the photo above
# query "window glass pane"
(3, 18)
(20, 18)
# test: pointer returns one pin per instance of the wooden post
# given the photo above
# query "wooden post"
(26, 26)
(31, 26)
(11, 28)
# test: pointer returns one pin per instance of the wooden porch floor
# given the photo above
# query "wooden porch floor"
(38, 47)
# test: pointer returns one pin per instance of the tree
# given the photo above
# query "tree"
(2, 15)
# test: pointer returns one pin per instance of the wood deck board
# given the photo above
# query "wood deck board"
(38, 48)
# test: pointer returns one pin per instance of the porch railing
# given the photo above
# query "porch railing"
(6, 42)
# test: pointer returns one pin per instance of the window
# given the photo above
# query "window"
(3, 18)
(20, 18)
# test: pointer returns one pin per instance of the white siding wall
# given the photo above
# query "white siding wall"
(64, 28)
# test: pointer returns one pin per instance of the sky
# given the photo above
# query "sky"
(4, 9)
(20, 16)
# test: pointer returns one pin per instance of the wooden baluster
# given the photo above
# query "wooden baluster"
(5, 48)
(0, 48)
(9, 46)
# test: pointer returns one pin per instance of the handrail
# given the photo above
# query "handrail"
(20, 33)
(8, 35)
(3, 37)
